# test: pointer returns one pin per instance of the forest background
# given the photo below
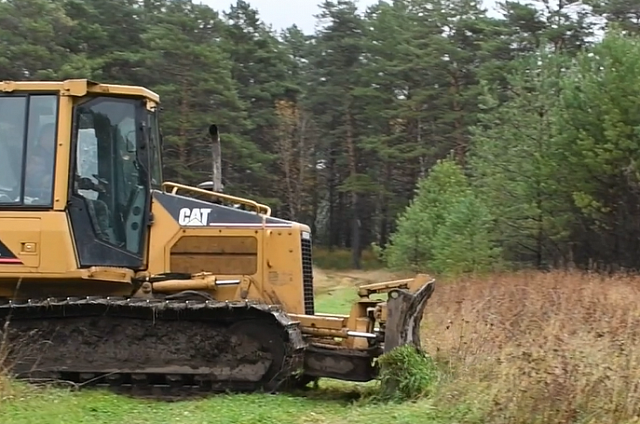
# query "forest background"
(536, 108)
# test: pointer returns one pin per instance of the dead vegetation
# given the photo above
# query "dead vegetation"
(540, 347)
(532, 347)
(4, 353)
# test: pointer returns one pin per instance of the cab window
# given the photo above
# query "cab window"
(27, 149)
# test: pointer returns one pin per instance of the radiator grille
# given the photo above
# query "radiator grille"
(307, 275)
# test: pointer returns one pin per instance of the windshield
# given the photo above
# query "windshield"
(27, 149)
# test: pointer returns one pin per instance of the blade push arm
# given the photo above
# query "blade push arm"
(393, 322)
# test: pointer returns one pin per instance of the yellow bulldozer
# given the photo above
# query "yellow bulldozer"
(110, 276)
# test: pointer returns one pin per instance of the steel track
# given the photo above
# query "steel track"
(156, 384)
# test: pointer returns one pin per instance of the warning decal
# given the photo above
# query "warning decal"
(7, 257)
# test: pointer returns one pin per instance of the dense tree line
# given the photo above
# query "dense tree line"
(338, 128)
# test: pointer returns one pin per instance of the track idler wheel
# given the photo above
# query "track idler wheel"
(270, 339)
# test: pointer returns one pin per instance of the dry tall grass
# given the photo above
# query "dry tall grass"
(541, 347)
(4, 352)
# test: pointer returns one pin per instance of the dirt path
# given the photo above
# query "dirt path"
(325, 280)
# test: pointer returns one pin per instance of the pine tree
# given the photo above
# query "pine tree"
(260, 67)
(192, 75)
(30, 32)
(598, 120)
(516, 165)
(340, 48)
(446, 228)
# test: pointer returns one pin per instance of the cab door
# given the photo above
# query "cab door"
(110, 194)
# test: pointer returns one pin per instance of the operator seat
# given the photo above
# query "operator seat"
(99, 212)
(101, 219)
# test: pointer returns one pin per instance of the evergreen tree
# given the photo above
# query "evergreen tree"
(30, 32)
(185, 64)
(336, 74)
(598, 120)
(335, 129)
(260, 67)
(516, 165)
(621, 14)
(446, 228)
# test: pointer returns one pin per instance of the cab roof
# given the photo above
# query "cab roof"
(78, 88)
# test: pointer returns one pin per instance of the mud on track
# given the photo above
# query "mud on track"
(203, 345)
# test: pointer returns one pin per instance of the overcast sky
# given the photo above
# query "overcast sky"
(284, 13)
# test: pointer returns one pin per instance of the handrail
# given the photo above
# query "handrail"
(260, 208)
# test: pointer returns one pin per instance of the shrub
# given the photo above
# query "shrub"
(406, 374)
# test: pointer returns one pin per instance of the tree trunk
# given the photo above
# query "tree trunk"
(355, 223)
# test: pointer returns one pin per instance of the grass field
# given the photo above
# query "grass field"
(520, 348)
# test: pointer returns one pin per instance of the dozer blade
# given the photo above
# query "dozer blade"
(405, 309)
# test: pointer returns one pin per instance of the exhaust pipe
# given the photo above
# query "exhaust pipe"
(216, 155)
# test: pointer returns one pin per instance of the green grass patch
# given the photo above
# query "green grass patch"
(336, 301)
(339, 300)
(333, 403)
(340, 259)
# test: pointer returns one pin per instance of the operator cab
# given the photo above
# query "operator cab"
(105, 164)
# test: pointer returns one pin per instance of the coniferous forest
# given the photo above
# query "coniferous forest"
(439, 134)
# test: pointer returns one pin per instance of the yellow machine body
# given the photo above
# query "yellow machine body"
(93, 241)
